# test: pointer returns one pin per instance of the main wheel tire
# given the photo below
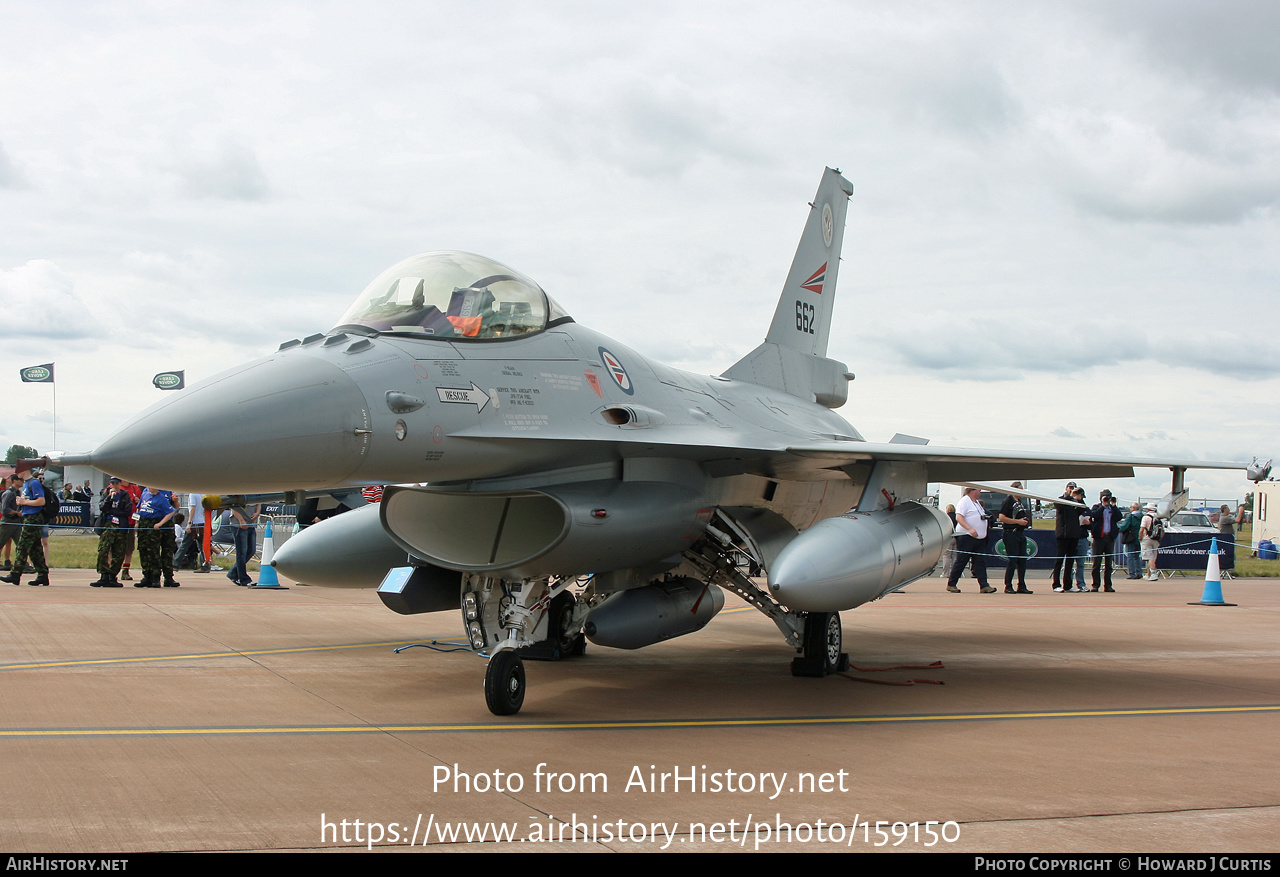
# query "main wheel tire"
(569, 642)
(504, 683)
(823, 641)
(834, 642)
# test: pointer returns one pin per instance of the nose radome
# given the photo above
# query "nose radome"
(284, 422)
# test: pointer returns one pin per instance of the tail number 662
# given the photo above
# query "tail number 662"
(805, 321)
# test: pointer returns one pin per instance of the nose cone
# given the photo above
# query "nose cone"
(284, 422)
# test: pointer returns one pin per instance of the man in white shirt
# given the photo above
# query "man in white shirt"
(971, 541)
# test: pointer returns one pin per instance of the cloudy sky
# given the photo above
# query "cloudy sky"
(1063, 233)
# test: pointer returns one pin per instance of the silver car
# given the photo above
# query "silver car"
(1191, 522)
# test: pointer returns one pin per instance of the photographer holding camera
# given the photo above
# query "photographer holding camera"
(971, 541)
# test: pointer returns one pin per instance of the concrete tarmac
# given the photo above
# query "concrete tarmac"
(214, 717)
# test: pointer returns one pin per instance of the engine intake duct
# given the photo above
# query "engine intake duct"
(564, 529)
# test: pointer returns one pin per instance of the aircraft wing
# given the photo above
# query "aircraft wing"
(954, 465)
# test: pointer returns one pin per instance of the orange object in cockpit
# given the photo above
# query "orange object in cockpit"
(466, 326)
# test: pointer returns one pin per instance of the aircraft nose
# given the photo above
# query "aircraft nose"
(284, 422)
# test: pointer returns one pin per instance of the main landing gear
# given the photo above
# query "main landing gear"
(817, 635)
(823, 642)
(540, 619)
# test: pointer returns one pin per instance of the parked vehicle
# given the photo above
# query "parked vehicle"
(1190, 522)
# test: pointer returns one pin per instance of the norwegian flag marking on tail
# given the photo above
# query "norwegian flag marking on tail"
(815, 281)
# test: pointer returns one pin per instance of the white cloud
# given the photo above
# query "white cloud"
(195, 267)
(1126, 169)
(40, 301)
(230, 170)
(11, 176)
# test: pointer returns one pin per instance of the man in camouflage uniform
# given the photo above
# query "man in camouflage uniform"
(31, 502)
(10, 517)
(156, 541)
(116, 524)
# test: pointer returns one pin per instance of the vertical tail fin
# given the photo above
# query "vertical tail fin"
(793, 355)
(803, 318)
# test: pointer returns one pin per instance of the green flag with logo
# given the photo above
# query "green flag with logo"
(37, 374)
(170, 380)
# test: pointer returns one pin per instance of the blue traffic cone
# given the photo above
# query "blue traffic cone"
(267, 577)
(1212, 595)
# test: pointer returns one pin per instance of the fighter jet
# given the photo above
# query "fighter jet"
(553, 484)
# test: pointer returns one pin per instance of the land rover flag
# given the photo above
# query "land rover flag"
(170, 380)
(37, 374)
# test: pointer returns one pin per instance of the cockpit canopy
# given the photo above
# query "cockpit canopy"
(448, 294)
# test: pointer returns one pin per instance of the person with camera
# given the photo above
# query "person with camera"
(971, 541)
(1015, 518)
(1067, 531)
(1104, 522)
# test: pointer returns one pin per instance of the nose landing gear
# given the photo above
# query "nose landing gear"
(537, 619)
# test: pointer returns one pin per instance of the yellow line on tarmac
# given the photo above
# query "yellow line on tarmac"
(91, 661)
(623, 726)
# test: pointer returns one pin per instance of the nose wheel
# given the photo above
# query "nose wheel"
(504, 683)
(823, 645)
